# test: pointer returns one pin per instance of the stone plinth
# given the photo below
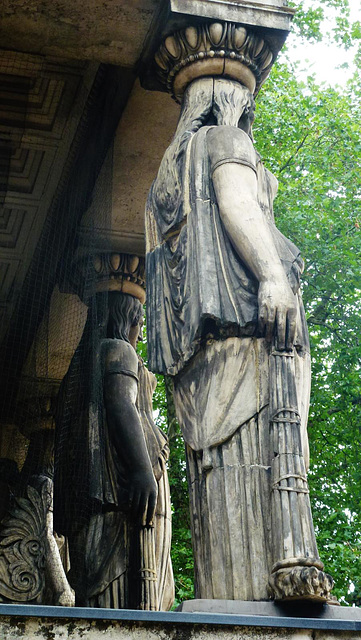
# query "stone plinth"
(59, 623)
(306, 610)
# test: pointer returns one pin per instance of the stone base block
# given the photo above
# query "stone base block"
(308, 609)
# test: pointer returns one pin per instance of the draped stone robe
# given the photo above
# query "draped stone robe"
(92, 484)
(202, 317)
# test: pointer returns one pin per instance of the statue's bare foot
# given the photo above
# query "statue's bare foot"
(66, 598)
(301, 579)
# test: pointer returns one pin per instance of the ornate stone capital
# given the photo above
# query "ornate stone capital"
(109, 271)
(120, 272)
(219, 49)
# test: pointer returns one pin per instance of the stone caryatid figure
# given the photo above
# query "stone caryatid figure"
(225, 319)
(111, 495)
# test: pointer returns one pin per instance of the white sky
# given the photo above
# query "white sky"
(321, 59)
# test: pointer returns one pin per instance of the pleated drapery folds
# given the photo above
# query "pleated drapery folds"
(231, 476)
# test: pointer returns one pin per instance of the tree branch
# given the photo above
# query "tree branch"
(288, 162)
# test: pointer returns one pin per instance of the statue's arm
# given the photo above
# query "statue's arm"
(126, 433)
(235, 186)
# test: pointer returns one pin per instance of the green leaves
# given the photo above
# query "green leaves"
(310, 138)
(326, 21)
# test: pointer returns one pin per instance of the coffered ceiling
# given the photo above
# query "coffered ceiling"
(41, 103)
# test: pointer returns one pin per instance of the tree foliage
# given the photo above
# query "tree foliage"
(309, 137)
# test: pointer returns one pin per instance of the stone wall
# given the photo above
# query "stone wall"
(13, 628)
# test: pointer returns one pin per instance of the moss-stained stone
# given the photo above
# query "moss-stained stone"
(15, 628)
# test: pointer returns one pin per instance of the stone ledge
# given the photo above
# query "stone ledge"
(32, 621)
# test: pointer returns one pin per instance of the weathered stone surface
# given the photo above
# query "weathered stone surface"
(269, 608)
(226, 320)
(272, 14)
(17, 628)
(111, 31)
(144, 131)
(118, 523)
(57, 338)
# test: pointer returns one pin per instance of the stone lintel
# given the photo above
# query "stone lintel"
(102, 239)
(112, 32)
(272, 14)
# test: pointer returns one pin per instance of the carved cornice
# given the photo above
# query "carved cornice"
(269, 14)
(213, 49)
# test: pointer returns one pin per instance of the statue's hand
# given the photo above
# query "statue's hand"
(143, 495)
(277, 313)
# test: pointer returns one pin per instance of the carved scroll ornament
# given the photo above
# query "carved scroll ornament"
(22, 550)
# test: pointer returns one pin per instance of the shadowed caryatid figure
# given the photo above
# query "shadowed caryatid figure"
(226, 320)
(111, 488)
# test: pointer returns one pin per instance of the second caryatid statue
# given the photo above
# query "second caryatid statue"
(225, 319)
(111, 491)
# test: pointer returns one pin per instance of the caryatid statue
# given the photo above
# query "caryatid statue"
(111, 496)
(225, 319)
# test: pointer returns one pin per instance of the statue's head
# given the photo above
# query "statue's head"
(216, 101)
(117, 307)
(233, 104)
(125, 317)
(214, 70)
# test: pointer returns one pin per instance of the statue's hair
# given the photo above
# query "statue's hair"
(196, 106)
(125, 311)
(113, 313)
(205, 101)
(231, 101)
(224, 99)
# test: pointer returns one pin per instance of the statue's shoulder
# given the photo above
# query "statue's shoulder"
(145, 376)
(119, 356)
(230, 144)
(227, 132)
